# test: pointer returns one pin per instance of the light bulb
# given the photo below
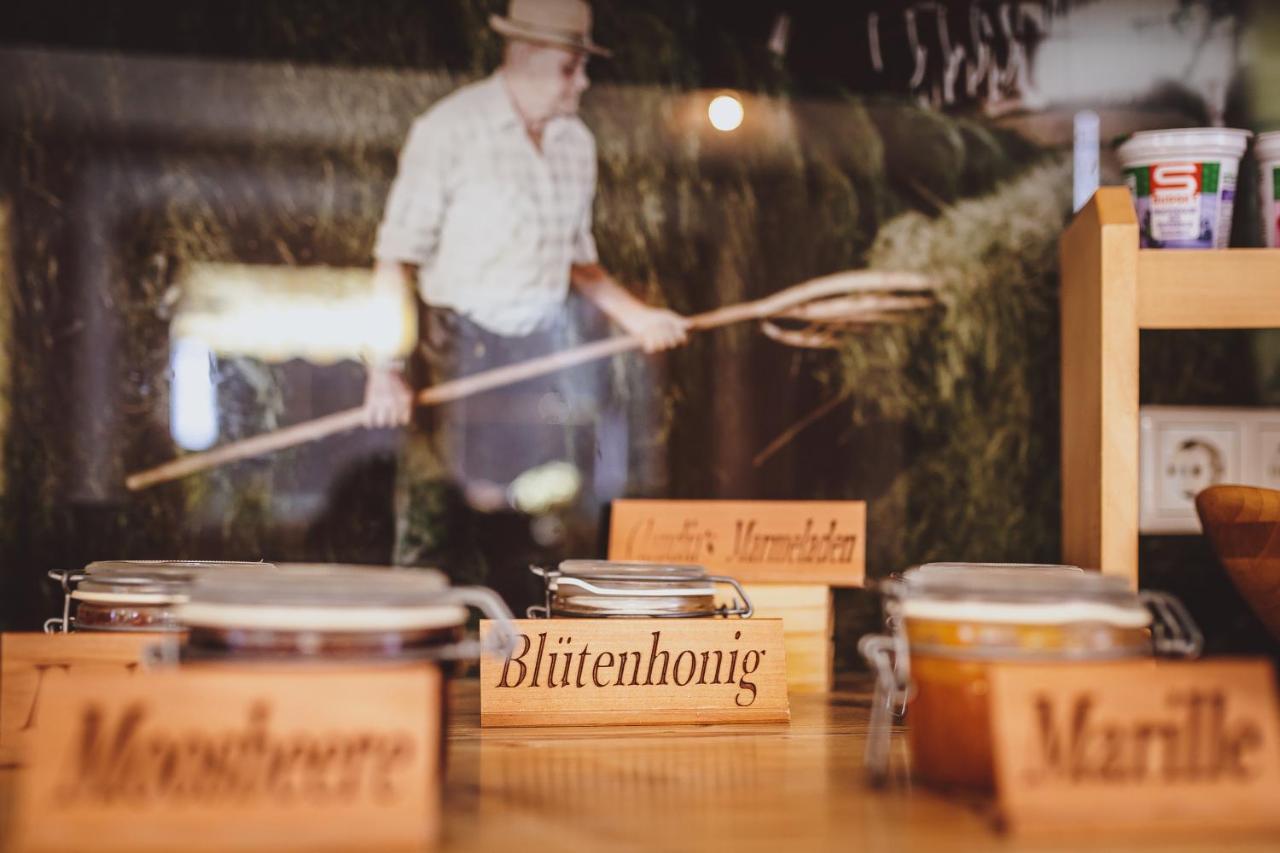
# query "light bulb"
(725, 113)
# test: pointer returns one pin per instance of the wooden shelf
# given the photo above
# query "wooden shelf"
(1210, 289)
(1110, 290)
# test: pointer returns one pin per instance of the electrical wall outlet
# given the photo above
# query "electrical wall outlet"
(1268, 453)
(1184, 450)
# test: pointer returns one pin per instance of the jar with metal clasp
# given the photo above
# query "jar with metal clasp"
(951, 624)
(319, 616)
(892, 608)
(331, 613)
(605, 589)
(131, 595)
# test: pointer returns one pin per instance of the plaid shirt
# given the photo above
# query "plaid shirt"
(492, 224)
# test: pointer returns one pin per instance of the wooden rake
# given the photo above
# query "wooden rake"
(840, 301)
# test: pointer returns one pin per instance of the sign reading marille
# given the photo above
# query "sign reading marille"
(1151, 746)
(29, 662)
(754, 541)
(636, 671)
(230, 759)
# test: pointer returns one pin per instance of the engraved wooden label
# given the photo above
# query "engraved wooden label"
(1145, 746)
(29, 662)
(235, 759)
(754, 541)
(635, 671)
(807, 612)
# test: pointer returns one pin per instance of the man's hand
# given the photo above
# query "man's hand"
(657, 328)
(388, 399)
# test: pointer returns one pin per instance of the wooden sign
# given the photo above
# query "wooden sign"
(1155, 747)
(754, 541)
(215, 759)
(569, 672)
(29, 662)
(807, 612)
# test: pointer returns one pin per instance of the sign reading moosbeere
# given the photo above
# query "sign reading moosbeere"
(820, 542)
(29, 662)
(1144, 746)
(636, 671)
(228, 758)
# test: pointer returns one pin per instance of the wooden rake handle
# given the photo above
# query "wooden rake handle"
(840, 284)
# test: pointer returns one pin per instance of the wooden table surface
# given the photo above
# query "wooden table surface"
(716, 787)
(713, 787)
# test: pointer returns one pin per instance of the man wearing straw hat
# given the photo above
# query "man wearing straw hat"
(489, 220)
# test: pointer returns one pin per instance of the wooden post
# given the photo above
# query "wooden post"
(1098, 257)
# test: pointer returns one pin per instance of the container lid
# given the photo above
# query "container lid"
(628, 589)
(1187, 143)
(1013, 594)
(1267, 145)
(323, 599)
(147, 581)
(603, 577)
(943, 568)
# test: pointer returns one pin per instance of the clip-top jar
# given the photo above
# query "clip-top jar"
(600, 588)
(951, 624)
(335, 613)
(317, 616)
(130, 595)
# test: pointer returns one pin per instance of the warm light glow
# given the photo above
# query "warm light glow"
(725, 113)
(193, 404)
(321, 314)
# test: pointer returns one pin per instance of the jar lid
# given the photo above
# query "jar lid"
(323, 598)
(621, 578)
(147, 581)
(1016, 594)
(605, 588)
(1021, 567)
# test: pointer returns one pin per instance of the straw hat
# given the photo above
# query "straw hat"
(565, 23)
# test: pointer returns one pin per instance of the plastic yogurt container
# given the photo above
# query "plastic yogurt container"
(1183, 184)
(1267, 149)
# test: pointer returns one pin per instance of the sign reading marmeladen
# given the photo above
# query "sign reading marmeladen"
(574, 672)
(820, 542)
(29, 662)
(1155, 747)
(235, 759)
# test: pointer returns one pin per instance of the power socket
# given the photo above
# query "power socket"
(1184, 450)
(1268, 454)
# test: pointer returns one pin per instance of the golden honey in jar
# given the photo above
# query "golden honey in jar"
(954, 622)
(131, 595)
(611, 589)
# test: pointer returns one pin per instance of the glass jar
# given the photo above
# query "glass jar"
(326, 615)
(952, 624)
(322, 613)
(942, 570)
(130, 595)
(602, 589)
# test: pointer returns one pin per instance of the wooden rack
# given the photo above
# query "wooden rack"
(1111, 290)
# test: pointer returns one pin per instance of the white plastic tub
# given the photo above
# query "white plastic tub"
(1184, 184)
(1267, 149)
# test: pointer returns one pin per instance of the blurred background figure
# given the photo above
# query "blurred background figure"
(489, 221)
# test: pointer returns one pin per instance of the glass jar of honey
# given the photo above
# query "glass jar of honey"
(602, 589)
(952, 623)
(130, 595)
